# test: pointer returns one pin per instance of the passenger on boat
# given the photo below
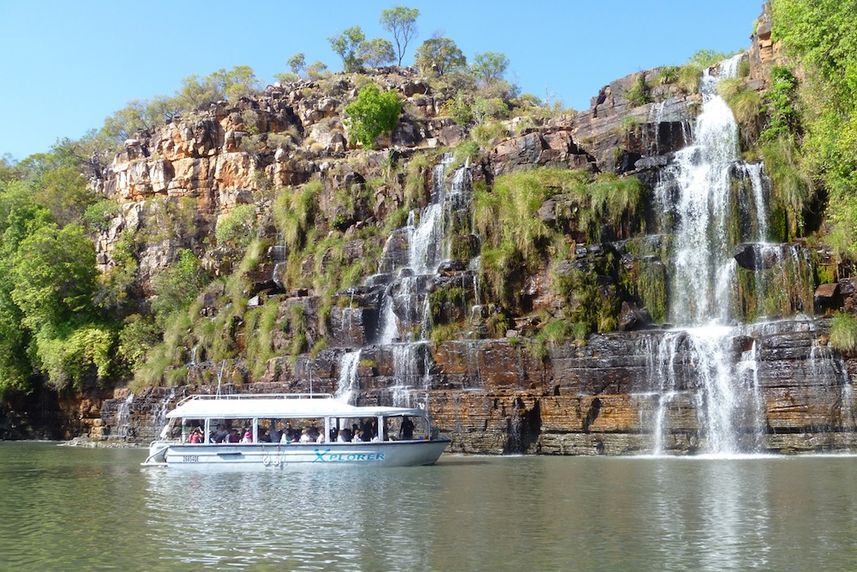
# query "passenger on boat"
(286, 437)
(195, 437)
(344, 436)
(406, 429)
(220, 435)
(334, 435)
(305, 438)
(274, 433)
(234, 437)
(312, 434)
(248, 436)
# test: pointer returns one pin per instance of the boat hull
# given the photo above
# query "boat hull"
(281, 456)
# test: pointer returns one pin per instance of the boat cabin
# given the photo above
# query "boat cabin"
(294, 418)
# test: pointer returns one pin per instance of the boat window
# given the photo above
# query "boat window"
(193, 431)
(225, 431)
(407, 428)
(354, 429)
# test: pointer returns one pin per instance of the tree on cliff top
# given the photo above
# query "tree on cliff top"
(489, 66)
(437, 56)
(400, 21)
(372, 114)
(347, 45)
(377, 52)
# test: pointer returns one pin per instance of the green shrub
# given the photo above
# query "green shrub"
(445, 332)
(639, 93)
(791, 187)
(178, 284)
(668, 75)
(458, 108)
(98, 216)
(781, 99)
(136, 339)
(843, 332)
(237, 228)
(372, 114)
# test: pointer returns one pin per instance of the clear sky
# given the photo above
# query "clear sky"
(66, 64)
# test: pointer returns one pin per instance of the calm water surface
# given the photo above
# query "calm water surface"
(67, 508)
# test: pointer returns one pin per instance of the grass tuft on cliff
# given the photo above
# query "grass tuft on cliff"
(843, 332)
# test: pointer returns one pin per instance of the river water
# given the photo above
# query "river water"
(73, 508)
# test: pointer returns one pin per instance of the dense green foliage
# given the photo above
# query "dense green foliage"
(822, 37)
(373, 113)
(438, 56)
(53, 317)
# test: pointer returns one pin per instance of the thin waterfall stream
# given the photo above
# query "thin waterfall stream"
(404, 315)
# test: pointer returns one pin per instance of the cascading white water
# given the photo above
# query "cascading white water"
(405, 310)
(754, 172)
(696, 188)
(348, 384)
(704, 269)
(159, 420)
(123, 416)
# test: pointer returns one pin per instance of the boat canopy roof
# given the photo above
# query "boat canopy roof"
(279, 406)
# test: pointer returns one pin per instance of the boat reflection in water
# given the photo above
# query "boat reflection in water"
(280, 430)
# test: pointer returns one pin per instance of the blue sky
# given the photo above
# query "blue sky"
(68, 64)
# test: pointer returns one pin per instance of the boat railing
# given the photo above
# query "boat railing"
(250, 396)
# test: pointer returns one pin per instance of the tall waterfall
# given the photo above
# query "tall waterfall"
(696, 190)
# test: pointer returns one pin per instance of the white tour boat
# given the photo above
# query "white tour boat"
(281, 430)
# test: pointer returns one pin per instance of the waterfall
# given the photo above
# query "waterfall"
(695, 190)
(348, 383)
(405, 317)
(411, 369)
(159, 420)
(123, 416)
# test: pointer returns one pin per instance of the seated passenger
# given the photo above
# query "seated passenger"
(313, 433)
(305, 438)
(195, 437)
(344, 436)
(248, 436)
(220, 435)
(286, 437)
(406, 429)
(334, 434)
(233, 436)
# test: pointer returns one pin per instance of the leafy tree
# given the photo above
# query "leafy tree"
(8, 169)
(229, 84)
(373, 113)
(316, 70)
(347, 45)
(400, 21)
(377, 52)
(489, 66)
(438, 56)
(297, 63)
(69, 356)
(138, 336)
(55, 277)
